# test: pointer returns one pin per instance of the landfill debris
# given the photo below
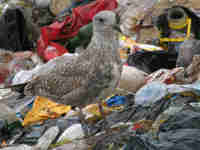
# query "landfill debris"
(43, 143)
(18, 147)
(74, 145)
(179, 19)
(192, 71)
(116, 101)
(165, 76)
(64, 8)
(7, 114)
(144, 125)
(127, 42)
(82, 39)
(93, 113)
(176, 25)
(124, 54)
(132, 79)
(44, 109)
(155, 91)
(73, 132)
(131, 19)
(155, 104)
(148, 126)
(32, 136)
(57, 6)
(187, 50)
(14, 30)
(42, 17)
(150, 62)
(46, 139)
(173, 110)
(150, 93)
(12, 63)
(42, 3)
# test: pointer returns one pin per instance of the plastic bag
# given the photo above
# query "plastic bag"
(155, 91)
(150, 93)
(13, 31)
(164, 75)
(44, 109)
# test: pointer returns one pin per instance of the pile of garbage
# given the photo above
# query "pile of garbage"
(156, 105)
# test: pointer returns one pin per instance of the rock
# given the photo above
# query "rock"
(47, 138)
(73, 132)
(132, 79)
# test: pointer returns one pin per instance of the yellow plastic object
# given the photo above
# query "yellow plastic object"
(44, 109)
(123, 54)
(94, 109)
(94, 113)
(178, 25)
(180, 39)
(147, 47)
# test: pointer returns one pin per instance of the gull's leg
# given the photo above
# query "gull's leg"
(83, 123)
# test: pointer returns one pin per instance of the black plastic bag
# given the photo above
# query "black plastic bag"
(13, 32)
(179, 132)
(152, 61)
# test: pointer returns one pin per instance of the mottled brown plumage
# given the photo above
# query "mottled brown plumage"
(89, 77)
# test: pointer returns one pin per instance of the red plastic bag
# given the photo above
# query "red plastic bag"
(69, 27)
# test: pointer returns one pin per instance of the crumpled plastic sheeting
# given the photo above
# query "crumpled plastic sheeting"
(69, 27)
(164, 75)
(179, 132)
(156, 91)
(44, 109)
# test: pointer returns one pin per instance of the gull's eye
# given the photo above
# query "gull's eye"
(101, 20)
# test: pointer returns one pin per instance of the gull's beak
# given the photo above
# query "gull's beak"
(117, 28)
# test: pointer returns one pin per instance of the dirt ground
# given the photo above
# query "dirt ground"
(148, 34)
